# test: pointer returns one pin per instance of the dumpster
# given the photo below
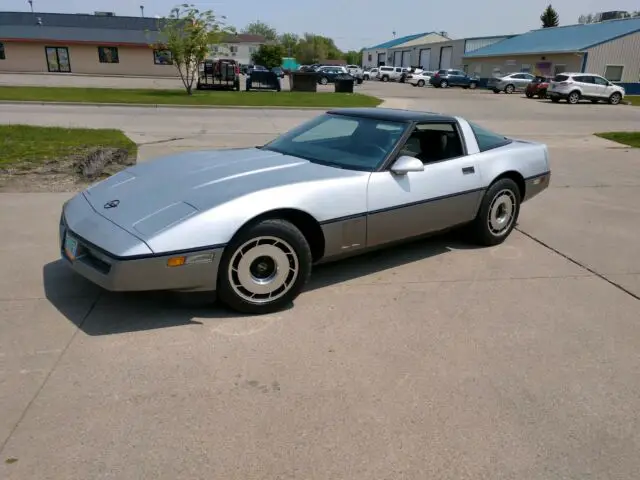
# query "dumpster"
(344, 84)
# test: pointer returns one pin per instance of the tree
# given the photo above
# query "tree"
(549, 17)
(268, 56)
(290, 42)
(353, 57)
(263, 29)
(188, 34)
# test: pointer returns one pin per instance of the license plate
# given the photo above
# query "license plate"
(70, 247)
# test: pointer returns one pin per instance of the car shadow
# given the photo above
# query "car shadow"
(98, 312)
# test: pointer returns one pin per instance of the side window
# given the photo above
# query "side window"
(332, 128)
(600, 81)
(433, 142)
(486, 139)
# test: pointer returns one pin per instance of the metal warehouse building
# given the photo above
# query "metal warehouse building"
(610, 49)
(437, 55)
(379, 55)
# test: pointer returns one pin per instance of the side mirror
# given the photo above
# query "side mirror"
(406, 164)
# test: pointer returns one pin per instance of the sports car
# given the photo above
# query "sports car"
(249, 223)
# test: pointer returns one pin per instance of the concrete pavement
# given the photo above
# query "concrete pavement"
(433, 360)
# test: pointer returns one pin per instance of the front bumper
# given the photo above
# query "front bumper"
(141, 272)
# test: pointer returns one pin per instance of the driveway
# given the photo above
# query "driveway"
(432, 360)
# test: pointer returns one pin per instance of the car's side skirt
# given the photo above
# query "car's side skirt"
(355, 234)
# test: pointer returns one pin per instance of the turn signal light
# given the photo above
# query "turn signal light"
(176, 261)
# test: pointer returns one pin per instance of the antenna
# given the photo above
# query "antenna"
(30, 4)
(142, 10)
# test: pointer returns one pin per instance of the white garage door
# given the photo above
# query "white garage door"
(425, 58)
(397, 59)
(406, 58)
(381, 59)
(445, 57)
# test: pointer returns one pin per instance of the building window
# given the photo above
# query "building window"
(58, 59)
(108, 55)
(2, 56)
(253, 49)
(233, 49)
(613, 73)
(525, 68)
(370, 57)
(162, 57)
(559, 69)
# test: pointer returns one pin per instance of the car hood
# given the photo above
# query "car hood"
(155, 195)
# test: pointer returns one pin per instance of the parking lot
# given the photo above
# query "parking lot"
(433, 360)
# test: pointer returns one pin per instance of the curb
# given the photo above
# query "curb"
(149, 105)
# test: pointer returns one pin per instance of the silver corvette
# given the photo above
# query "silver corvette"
(250, 223)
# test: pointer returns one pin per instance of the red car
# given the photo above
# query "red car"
(538, 87)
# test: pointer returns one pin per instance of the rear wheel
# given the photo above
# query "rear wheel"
(385, 79)
(324, 81)
(498, 213)
(495, 90)
(473, 85)
(421, 83)
(542, 94)
(509, 89)
(444, 84)
(615, 98)
(528, 94)
(573, 98)
(264, 268)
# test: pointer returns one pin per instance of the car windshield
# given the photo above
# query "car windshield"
(342, 141)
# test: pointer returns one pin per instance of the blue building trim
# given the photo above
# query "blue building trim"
(630, 88)
(583, 69)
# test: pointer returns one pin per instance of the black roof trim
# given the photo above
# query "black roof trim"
(393, 114)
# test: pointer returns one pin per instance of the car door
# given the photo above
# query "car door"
(446, 193)
(587, 85)
(603, 89)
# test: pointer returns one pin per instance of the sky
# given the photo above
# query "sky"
(354, 24)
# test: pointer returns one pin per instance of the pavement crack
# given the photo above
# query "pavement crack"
(46, 379)
(156, 142)
(579, 264)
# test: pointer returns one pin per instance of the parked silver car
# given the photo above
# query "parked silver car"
(510, 83)
(574, 87)
(249, 223)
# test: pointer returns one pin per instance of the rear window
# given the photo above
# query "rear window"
(486, 139)
(561, 78)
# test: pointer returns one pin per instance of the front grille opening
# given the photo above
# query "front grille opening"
(93, 261)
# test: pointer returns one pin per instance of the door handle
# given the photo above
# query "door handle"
(468, 170)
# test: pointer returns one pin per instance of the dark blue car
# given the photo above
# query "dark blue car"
(453, 78)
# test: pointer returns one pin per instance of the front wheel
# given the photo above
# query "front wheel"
(498, 213)
(509, 89)
(444, 84)
(573, 98)
(264, 268)
(324, 81)
(528, 94)
(473, 85)
(421, 83)
(615, 98)
(385, 79)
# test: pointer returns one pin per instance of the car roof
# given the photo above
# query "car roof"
(393, 114)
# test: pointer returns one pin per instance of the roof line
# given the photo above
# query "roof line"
(585, 24)
(612, 38)
(514, 54)
(77, 42)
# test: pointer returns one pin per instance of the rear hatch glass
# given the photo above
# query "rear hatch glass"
(561, 78)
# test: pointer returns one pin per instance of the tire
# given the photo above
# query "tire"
(366, 77)
(473, 85)
(528, 94)
(489, 228)
(495, 90)
(615, 98)
(385, 78)
(324, 81)
(413, 84)
(421, 83)
(509, 89)
(574, 97)
(542, 94)
(555, 99)
(277, 266)
(444, 84)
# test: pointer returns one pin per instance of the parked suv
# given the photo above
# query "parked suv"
(574, 87)
(453, 78)
(390, 73)
(510, 82)
(370, 74)
(328, 74)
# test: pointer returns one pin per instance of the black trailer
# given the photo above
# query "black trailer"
(223, 74)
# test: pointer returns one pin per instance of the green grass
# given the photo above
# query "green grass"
(634, 99)
(24, 145)
(179, 97)
(632, 139)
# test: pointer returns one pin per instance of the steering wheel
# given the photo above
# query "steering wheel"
(374, 146)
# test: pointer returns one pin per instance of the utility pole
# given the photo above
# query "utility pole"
(142, 10)
(31, 5)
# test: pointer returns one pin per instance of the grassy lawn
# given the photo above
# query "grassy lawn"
(634, 99)
(179, 97)
(631, 139)
(22, 146)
